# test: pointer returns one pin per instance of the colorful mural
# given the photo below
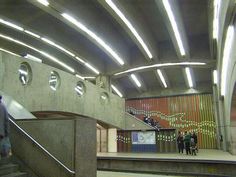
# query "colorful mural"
(185, 113)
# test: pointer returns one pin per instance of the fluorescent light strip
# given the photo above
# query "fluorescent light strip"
(225, 60)
(32, 34)
(135, 80)
(45, 40)
(130, 26)
(188, 73)
(174, 26)
(92, 68)
(94, 36)
(11, 25)
(7, 51)
(33, 58)
(215, 76)
(116, 90)
(57, 61)
(44, 2)
(89, 77)
(41, 52)
(162, 78)
(161, 65)
(57, 46)
(79, 76)
(82, 61)
(216, 18)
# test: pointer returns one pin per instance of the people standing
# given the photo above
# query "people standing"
(180, 142)
(187, 138)
(4, 130)
(194, 136)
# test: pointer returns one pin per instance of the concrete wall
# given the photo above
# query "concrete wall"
(38, 96)
(57, 136)
(133, 123)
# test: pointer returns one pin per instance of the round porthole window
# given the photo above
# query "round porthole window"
(54, 80)
(25, 73)
(104, 98)
(80, 88)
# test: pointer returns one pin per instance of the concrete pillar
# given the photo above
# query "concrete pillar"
(104, 82)
(112, 142)
(222, 125)
(85, 147)
(216, 114)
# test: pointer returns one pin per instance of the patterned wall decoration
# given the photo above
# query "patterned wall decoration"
(185, 113)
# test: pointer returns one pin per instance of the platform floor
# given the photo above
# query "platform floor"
(204, 154)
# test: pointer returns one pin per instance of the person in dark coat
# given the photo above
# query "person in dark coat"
(194, 136)
(4, 130)
(180, 142)
(187, 138)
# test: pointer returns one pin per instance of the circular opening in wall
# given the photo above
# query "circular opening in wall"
(104, 98)
(25, 73)
(54, 80)
(80, 88)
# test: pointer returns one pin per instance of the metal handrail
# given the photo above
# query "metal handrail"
(41, 147)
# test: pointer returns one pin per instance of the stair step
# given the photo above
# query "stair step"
(17, 174)
(8, 168)
(5, 161)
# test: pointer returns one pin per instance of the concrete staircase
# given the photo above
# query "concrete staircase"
(8, 169)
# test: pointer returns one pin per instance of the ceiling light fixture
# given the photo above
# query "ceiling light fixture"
(135, 79)
(44, 2)
(7, 51)
(189, 77)
(92, 68)
(33, 58)
(94, 36)
(43, 39)
(130, 26)
(32, 34)
(162, 78)
(79, 76)
(57, 61)
(57, 46)
(161, 65)
(82, 61)
(174, 26)
(11, 25)
(41, 52)
(116, 90)
(225, 60)
(215, 76)
(89, 77)
(216, 18)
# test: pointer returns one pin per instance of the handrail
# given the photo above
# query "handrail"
(139, 120)
(39, 145)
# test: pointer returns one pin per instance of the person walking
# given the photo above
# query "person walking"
(187, 138)
(180, 142)
(4, 130)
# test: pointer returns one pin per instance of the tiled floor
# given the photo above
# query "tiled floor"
(203, 154)
(120, 174)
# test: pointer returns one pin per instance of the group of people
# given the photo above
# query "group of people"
(188, 142)
(151, 122)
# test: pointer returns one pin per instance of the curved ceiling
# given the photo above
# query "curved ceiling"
(99, 36)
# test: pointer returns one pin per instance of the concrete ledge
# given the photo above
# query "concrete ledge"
(197, 167)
